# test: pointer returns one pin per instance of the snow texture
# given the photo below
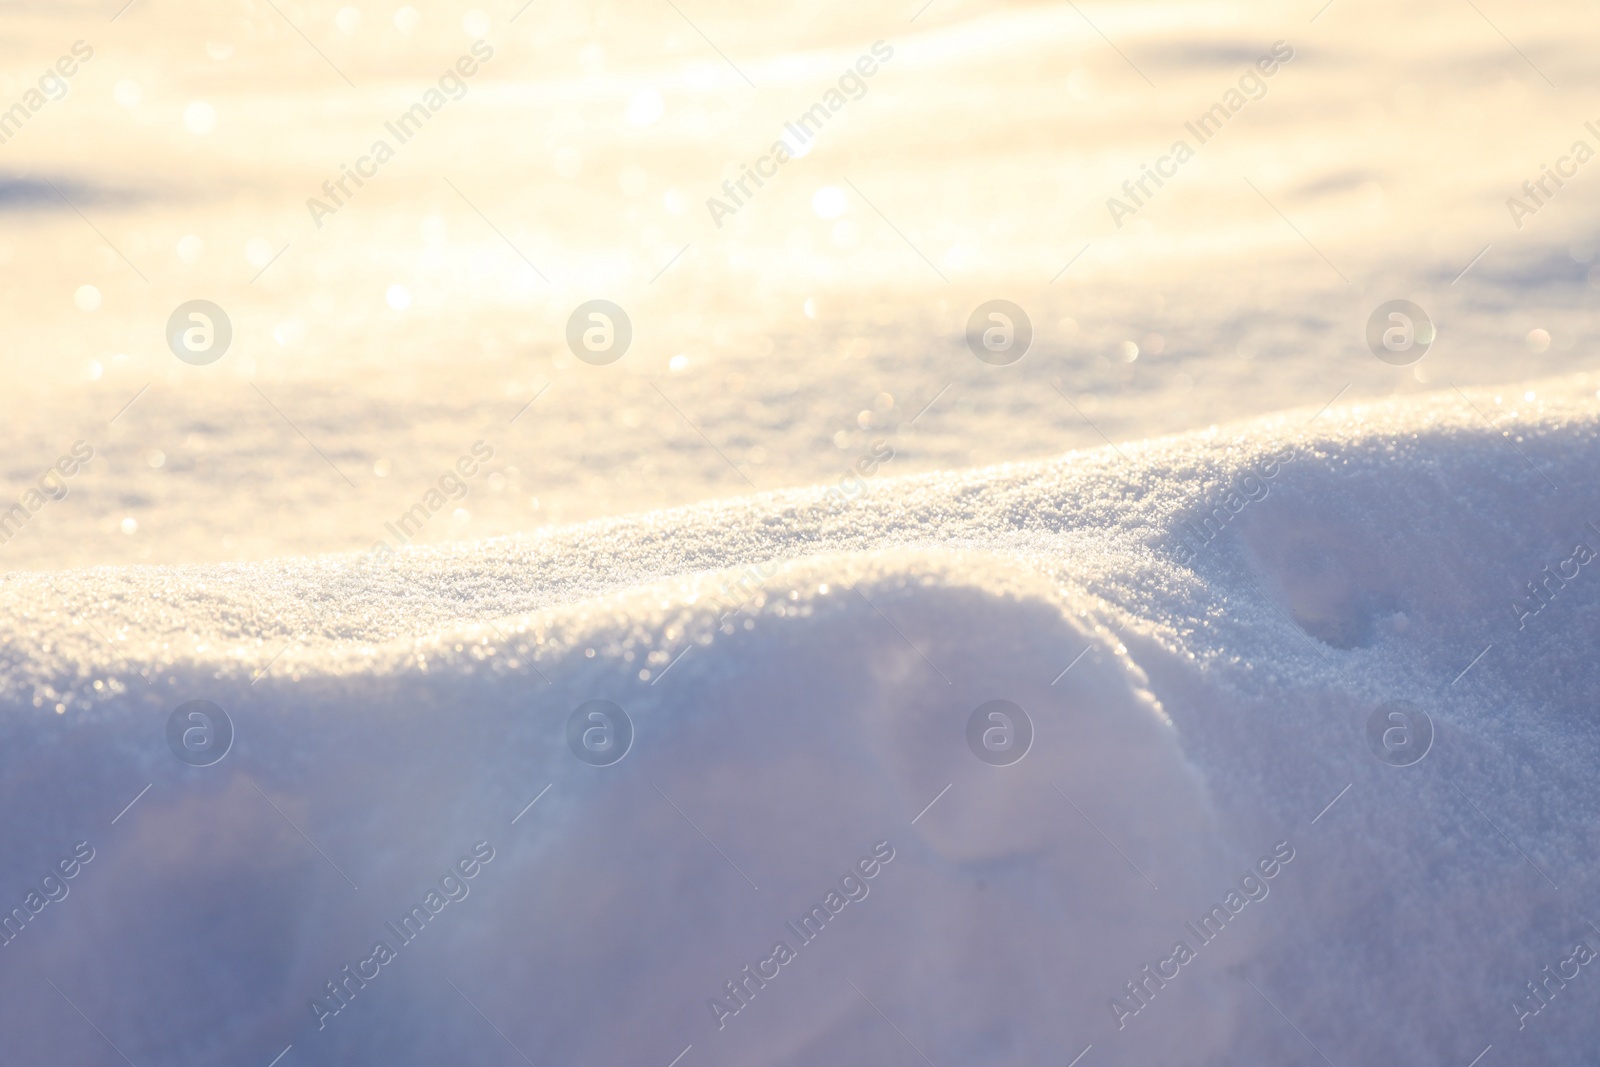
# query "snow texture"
(799, 676)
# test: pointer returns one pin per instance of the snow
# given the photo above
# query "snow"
(1274, 625)
(1188, 721)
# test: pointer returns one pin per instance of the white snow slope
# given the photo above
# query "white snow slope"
(1196, 708)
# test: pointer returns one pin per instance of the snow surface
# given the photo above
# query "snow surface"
(801, 675)
(1189, 720)
(1377, 167)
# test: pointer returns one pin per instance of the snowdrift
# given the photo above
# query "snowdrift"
(1293, 761)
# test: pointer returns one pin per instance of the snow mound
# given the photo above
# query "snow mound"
(1191, 750)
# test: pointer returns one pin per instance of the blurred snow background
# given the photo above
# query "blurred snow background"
(415, 321)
